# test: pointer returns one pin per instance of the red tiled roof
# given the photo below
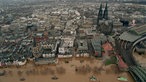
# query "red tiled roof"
(121, 63)
(107, 46)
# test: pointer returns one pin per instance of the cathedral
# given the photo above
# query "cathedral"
(104, 24)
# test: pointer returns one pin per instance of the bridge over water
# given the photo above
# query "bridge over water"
(125, 48)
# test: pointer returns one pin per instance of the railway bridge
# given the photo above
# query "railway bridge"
(126, 44)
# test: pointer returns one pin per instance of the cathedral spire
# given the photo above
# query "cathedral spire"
(105, 14)
(100, 13)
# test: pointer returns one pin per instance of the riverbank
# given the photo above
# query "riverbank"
(70, 72)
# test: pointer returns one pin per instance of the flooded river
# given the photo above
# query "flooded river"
(68, 72)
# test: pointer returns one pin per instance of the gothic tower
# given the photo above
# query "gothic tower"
(105, 14)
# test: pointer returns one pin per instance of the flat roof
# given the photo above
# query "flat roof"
(82, 45)
(134, 33)
(139, 30)
(129, 37)
(96, 44)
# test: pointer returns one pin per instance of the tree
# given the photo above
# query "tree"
(60, 70)
(19, 73)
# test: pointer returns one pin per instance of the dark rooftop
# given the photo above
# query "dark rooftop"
(139, 30)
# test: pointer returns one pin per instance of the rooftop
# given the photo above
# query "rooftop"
(134, 33)
(139, 30)
(82, 45)
(96, 44)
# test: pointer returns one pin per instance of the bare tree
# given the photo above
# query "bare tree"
(27, 73)
(50, 71)
(92, 60)
(19, 73)
(111, 69)
(83, 69)
(96, 70)
(88, 68)
(10, 73)
(60, 70)
(44, 72)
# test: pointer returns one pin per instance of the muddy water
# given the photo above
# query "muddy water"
(70, 75)
(141, 59)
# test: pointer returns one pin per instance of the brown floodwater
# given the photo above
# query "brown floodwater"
(141, 59)
(32, 73)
